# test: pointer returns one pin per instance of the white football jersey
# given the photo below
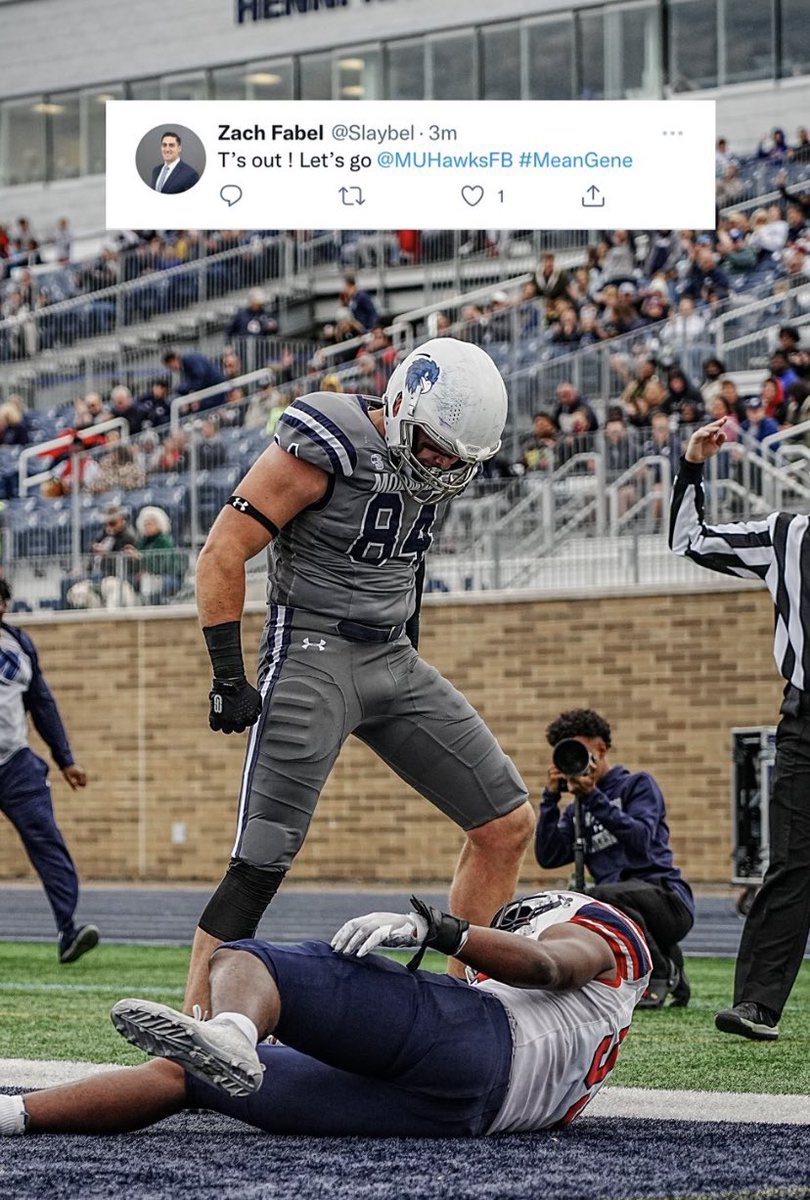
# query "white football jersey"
(566, 1043)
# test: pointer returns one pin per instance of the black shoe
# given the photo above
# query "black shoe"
(660, 986)
(655, 994)
(76, 942)
(749, 1020)
(682, 992)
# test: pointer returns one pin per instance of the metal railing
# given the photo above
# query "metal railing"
(536, 530)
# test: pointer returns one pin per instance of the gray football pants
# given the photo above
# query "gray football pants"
(318, 688)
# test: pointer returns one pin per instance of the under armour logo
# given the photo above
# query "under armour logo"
(241, 504)
(308, 645)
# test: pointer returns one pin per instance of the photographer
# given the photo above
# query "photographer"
(626, 847)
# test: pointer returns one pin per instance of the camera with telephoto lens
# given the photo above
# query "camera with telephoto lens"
(572, 757)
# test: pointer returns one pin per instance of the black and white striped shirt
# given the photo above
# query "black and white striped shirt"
(775, 549)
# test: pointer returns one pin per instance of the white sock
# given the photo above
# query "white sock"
(12, 1116)
(241, 1022)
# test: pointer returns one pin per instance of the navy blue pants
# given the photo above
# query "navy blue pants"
(372, 1049)
(25, 798)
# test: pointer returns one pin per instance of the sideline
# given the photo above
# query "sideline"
(637, 1103)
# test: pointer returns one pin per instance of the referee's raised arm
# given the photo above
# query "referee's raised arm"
(744, 548)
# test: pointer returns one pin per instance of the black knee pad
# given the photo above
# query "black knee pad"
(238, 904)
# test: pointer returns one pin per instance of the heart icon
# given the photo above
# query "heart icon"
(472, 195)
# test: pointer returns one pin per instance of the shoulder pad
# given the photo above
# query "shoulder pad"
(322, 429)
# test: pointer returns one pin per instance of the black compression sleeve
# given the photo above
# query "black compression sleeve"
(224, 644)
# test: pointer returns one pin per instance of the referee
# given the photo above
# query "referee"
(776, 550)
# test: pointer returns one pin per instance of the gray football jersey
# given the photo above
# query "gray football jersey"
(354, 554)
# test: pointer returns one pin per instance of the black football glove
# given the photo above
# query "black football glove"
(235, 704)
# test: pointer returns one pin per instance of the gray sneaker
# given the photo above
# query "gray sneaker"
(217, 1052)
(749, 1020)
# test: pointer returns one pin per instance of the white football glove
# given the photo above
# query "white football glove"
(363, 934)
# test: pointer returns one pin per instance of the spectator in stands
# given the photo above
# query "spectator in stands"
(800, 153)
(209, 449)
(704, 275)
(773, 399)
(231, 364)
(13, 429)
(773, 148)
(537, 449)
(645, 369)
(232, 414)
(565, 332)
(730, 393)
(621, 450)
(154, 406)
(680, 389)
(769, 232)
(756, 425)
(551, 281)
(109, 572)
(570, 402)
(789, 339)
(160, 566)
(718, 406)
(122, 405)
(619, 262)
(361, 306)
(196, 374)
(662, 252)
(591, 331)
(254, 320)
(96, 409)
(713, 371)
(781, 369)
(654, 308)
(736, 255)
(798, 406)
(640, 408)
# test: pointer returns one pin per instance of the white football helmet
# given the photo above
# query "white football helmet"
(454, 392)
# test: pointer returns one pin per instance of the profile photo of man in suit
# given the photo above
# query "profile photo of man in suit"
(173, 175)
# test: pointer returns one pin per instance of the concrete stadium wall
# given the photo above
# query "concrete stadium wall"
(672, 673)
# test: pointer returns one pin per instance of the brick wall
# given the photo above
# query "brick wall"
(672, 673)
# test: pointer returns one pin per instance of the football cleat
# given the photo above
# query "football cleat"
(216, 1051)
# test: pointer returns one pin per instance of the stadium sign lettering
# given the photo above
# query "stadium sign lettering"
(270, 10)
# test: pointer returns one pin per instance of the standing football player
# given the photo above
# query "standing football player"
(345, 498)
(25, 794)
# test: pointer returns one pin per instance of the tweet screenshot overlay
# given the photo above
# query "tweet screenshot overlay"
(416, 164)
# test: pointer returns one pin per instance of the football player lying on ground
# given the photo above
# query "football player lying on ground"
(373, 1048)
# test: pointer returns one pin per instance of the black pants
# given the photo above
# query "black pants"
(776, 929)
(662, 916)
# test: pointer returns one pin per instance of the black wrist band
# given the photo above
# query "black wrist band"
(224, 644)
(445, 933)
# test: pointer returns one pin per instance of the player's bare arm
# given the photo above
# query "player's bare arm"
(279, 486)
(706, 441)
(563, 957)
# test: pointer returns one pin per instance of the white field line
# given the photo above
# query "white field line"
(610, 1102)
